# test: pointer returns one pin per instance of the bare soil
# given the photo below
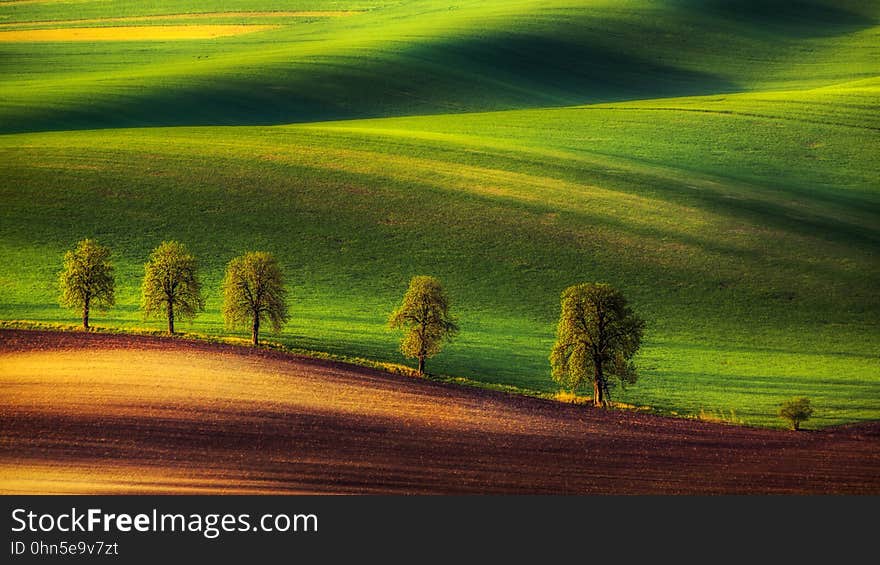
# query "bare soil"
(102, 413)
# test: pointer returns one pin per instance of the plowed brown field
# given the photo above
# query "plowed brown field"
(98, 413)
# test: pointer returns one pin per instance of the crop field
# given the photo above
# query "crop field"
(717, 161)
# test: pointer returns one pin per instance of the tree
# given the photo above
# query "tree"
(597, 336)
(424, 316)
(171, 287)
(87, 279)
(253, 292)
(796, 410)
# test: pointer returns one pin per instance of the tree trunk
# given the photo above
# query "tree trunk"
(86, 314)
(598, 399)
(598, 385)
(170, 317)
(796, 425)
(255, 333)
(423, 347)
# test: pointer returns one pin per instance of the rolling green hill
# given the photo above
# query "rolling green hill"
(420, 57)
(716, 160)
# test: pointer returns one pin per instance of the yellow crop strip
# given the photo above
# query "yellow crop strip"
(195, 16)
(130, 33)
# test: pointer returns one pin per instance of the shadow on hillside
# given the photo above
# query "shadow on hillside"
(540, 70)
(792, 18)
(480, 73)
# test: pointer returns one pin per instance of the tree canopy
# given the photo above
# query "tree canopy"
(87, 279)
(597, 336)
(171, 286)
(795, 411)
(424, 316)
(254, 292)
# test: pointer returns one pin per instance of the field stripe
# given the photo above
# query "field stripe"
(130, 33)
(194, 16)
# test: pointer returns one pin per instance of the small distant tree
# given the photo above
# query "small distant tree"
(254, 292)
(171, 286)
(597, 336)
(424, 316)
(87, 279)
(795, 411)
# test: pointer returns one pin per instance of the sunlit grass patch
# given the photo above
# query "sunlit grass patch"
(571, 397)
(718, 417)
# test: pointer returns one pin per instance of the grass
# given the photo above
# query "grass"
(735, 203)
(719, 417)
(478, 56)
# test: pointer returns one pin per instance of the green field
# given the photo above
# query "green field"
(715, 160)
